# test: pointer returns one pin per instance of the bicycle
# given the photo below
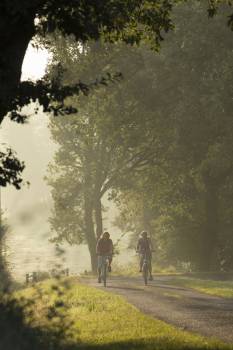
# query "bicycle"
(145, 266)
(104, 269)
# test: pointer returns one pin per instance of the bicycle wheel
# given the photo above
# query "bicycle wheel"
(145, 273)
(105, 274)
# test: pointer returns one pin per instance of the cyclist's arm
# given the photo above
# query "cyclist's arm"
(151, 245)
(111, 248)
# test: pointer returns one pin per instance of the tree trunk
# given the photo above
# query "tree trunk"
(98, 217)
(89, 230)
(16, 31)
(208, 257)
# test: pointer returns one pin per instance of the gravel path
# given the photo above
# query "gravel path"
(185, 308)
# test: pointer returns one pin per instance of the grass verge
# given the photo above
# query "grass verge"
(74, 316)
(217, 288)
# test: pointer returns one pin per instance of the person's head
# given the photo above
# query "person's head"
(144, 234)
(106, 235)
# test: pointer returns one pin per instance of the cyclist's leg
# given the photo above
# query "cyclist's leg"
(109, 263)
(104, 269)
(150, 266)
(141, 262)
(100, 261)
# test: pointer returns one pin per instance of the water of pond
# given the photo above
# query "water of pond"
(27, 252)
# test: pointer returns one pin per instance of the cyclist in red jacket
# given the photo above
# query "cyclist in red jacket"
(104, 247)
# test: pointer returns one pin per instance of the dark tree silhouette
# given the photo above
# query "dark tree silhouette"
(10, 169)
(131, 21)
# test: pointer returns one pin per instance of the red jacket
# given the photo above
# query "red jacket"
(104, 246)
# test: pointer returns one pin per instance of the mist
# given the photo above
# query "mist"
(116, 175)
(27, 211)
(143, 151)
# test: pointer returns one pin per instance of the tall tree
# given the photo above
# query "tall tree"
(130, 21)
(189, 189)
(101, 147)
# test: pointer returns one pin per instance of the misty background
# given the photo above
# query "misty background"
(158, 143)
(27, 211)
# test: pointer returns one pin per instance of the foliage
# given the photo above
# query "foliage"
(129, 21)
(187, 197)
(15, 334)
(181, 191)
(17, 320)
(101, 146)
(10, 169)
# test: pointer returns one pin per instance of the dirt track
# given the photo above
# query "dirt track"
(185, 308)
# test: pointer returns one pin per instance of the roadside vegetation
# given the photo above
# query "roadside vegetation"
(5, 278)
(64, 314)
(131, 269)
(218, 288)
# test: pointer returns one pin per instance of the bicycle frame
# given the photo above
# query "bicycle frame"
(145, 266)
(104, 268)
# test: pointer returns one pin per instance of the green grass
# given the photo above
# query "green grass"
(83, 317)
(217, 288)
(131, 269)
